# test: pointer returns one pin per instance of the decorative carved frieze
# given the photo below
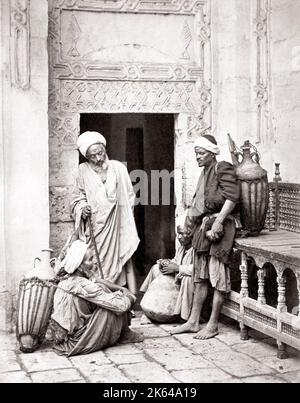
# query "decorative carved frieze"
(203, 26)
(116, 96)
(197, 125)
(20, 43)
(127, 71)
(262, 86)
(142, 6)
(203, 33)
(64, 129)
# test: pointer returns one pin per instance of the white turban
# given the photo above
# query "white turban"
(180, 220)
(87, 139)
(203, 142)
(74, 256)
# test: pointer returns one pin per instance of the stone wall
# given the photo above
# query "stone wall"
(23, 143)
(256, 79)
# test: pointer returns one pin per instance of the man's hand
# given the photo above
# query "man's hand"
(216, 231)
(86, 212)
(113, 287)
(163, 262)
(171, 268)
(129, 295)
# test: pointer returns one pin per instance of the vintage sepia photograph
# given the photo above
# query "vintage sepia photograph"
(149, 194)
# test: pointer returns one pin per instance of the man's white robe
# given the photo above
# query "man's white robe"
(112, 216)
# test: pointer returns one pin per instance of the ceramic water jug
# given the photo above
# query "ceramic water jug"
(254, 199)
(42, 267)
(160, 299)
(35, 303)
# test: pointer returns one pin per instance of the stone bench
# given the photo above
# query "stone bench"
(278, 248)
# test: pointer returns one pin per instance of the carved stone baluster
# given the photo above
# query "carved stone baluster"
(281, 281)
(244, 276)
(244, 293)
(281, 307)
(261, 274)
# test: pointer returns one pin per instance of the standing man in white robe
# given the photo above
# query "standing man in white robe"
(104, 193)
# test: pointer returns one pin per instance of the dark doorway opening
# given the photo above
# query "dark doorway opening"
(144, 142)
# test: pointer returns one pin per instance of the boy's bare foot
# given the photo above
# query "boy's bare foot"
(186, 328)
(131, 337)
(145, 320)
(207, 333)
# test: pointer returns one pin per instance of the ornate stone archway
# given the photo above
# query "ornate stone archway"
(125, 56)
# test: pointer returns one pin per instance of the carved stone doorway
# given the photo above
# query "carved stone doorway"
(98, 64)
(145, 143)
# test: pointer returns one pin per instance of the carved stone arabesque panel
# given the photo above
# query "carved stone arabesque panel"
(63, 130)
(142, 6)
(128, 96)
(193, 37)
(20, 43)
(86, 70)
(175, 88)
(263, 69)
